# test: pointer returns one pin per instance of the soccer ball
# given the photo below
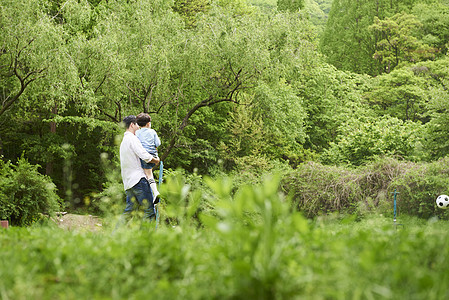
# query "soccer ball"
(443, 201)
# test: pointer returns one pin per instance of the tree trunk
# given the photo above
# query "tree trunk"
(49, 167)
(1, 146)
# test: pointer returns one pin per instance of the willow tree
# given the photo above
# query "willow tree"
(53, 67)
(215, 63)
(32, 53)
(37, 76)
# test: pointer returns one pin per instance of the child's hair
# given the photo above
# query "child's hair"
(128, 120)
(143, 119)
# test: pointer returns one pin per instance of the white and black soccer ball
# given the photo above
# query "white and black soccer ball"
(443, 201)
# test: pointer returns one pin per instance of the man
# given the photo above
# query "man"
(136, 185)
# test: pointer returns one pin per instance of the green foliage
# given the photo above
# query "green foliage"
(109, 202)
(182, 198)
(253, 246)
(330, 98)
(360, 141)
(71, 155)
(318, 12)
(420, 186)
(272, 125)
(401, 94)
(349, 44)
(282, 112)
(437, 128)
(346, 40)
(264, 5)
(78, 16)
(33, 60)
(317, 189)
(25, 194)
(435, 20)
(239, 89)
(417, 92)
(290, 5)
(188, 9)
(398, 43)
(236, 8)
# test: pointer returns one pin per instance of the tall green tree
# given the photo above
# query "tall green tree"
(172, 73)
(318, 12)
(397, 42)
(400, 94)
(55, 119)
(437, 129)
(275, 103)
(38, 77)
(347, 40)
(406, 92)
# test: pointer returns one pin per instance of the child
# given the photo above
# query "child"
(150, 141)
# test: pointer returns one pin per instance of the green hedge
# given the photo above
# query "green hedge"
(318, 189)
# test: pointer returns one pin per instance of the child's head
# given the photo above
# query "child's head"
(143, 119)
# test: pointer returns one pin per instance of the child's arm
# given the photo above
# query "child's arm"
(157, 141)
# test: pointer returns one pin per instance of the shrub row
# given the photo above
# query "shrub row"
(317, 189)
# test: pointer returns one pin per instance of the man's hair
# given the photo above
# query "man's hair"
(128, 120)
(143, 119)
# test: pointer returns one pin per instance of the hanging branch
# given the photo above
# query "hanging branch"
(24, 80)
(211, 100)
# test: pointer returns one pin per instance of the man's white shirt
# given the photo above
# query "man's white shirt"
(130, 151)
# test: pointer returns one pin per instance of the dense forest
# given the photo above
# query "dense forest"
(304, 145)
(233, 87)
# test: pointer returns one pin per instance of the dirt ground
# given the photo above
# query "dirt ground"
(73, 221)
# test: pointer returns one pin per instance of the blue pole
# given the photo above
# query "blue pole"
(395, 200)
(394, 206)
(161, 172)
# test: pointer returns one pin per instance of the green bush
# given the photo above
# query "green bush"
(419, 187)
(318, 189)
(25, 194)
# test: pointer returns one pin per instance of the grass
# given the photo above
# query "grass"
(333, 259)
(248, 246)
